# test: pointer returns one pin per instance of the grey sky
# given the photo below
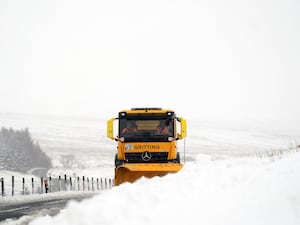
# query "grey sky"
(201, 58)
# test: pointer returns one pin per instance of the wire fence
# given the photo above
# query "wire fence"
(30, 186)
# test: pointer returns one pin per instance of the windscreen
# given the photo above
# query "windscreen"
(146, 129)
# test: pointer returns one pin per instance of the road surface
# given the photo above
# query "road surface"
(44, 207)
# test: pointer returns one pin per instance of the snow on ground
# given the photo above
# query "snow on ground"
(222, 182)
(230, 191)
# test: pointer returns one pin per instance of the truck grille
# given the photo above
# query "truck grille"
(156, 157)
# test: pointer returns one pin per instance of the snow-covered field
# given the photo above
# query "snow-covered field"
(224, 180)
(75, 142)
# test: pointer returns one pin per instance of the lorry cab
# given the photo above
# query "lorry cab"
(146, 136)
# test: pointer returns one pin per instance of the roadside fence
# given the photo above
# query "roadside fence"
(49, 184)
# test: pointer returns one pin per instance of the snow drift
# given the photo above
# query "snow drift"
(232, 191)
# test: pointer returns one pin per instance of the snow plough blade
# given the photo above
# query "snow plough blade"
(133, 171)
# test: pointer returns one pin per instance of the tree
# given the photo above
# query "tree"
(18, 151)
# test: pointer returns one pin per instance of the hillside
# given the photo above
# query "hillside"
(20, 153)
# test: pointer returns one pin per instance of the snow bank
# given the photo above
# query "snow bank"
(232, 191)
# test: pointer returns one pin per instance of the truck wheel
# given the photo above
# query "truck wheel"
(117, 161)
(177, 160)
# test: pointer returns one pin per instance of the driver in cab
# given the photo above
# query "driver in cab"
(163, 128)
(130, 129)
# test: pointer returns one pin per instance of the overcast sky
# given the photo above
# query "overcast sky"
(216, 58)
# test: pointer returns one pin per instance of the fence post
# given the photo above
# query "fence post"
(32, 185)
(12, 186)
(109, 183)
(97, 184)
(50, 184)
(42, 179)
(78, 184)
(83, 183)
(65, 182)
(88, 183)
(105, 183)
(23, 186)
(101, 183)
(2, 186)
(71, 188)
(59, 180)
(93, 189)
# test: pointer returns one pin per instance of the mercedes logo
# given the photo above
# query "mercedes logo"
(146, 156)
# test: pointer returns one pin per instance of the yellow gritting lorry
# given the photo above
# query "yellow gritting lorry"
(147, 143)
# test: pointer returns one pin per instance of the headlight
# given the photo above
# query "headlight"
(122, 139)
(170, 138)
